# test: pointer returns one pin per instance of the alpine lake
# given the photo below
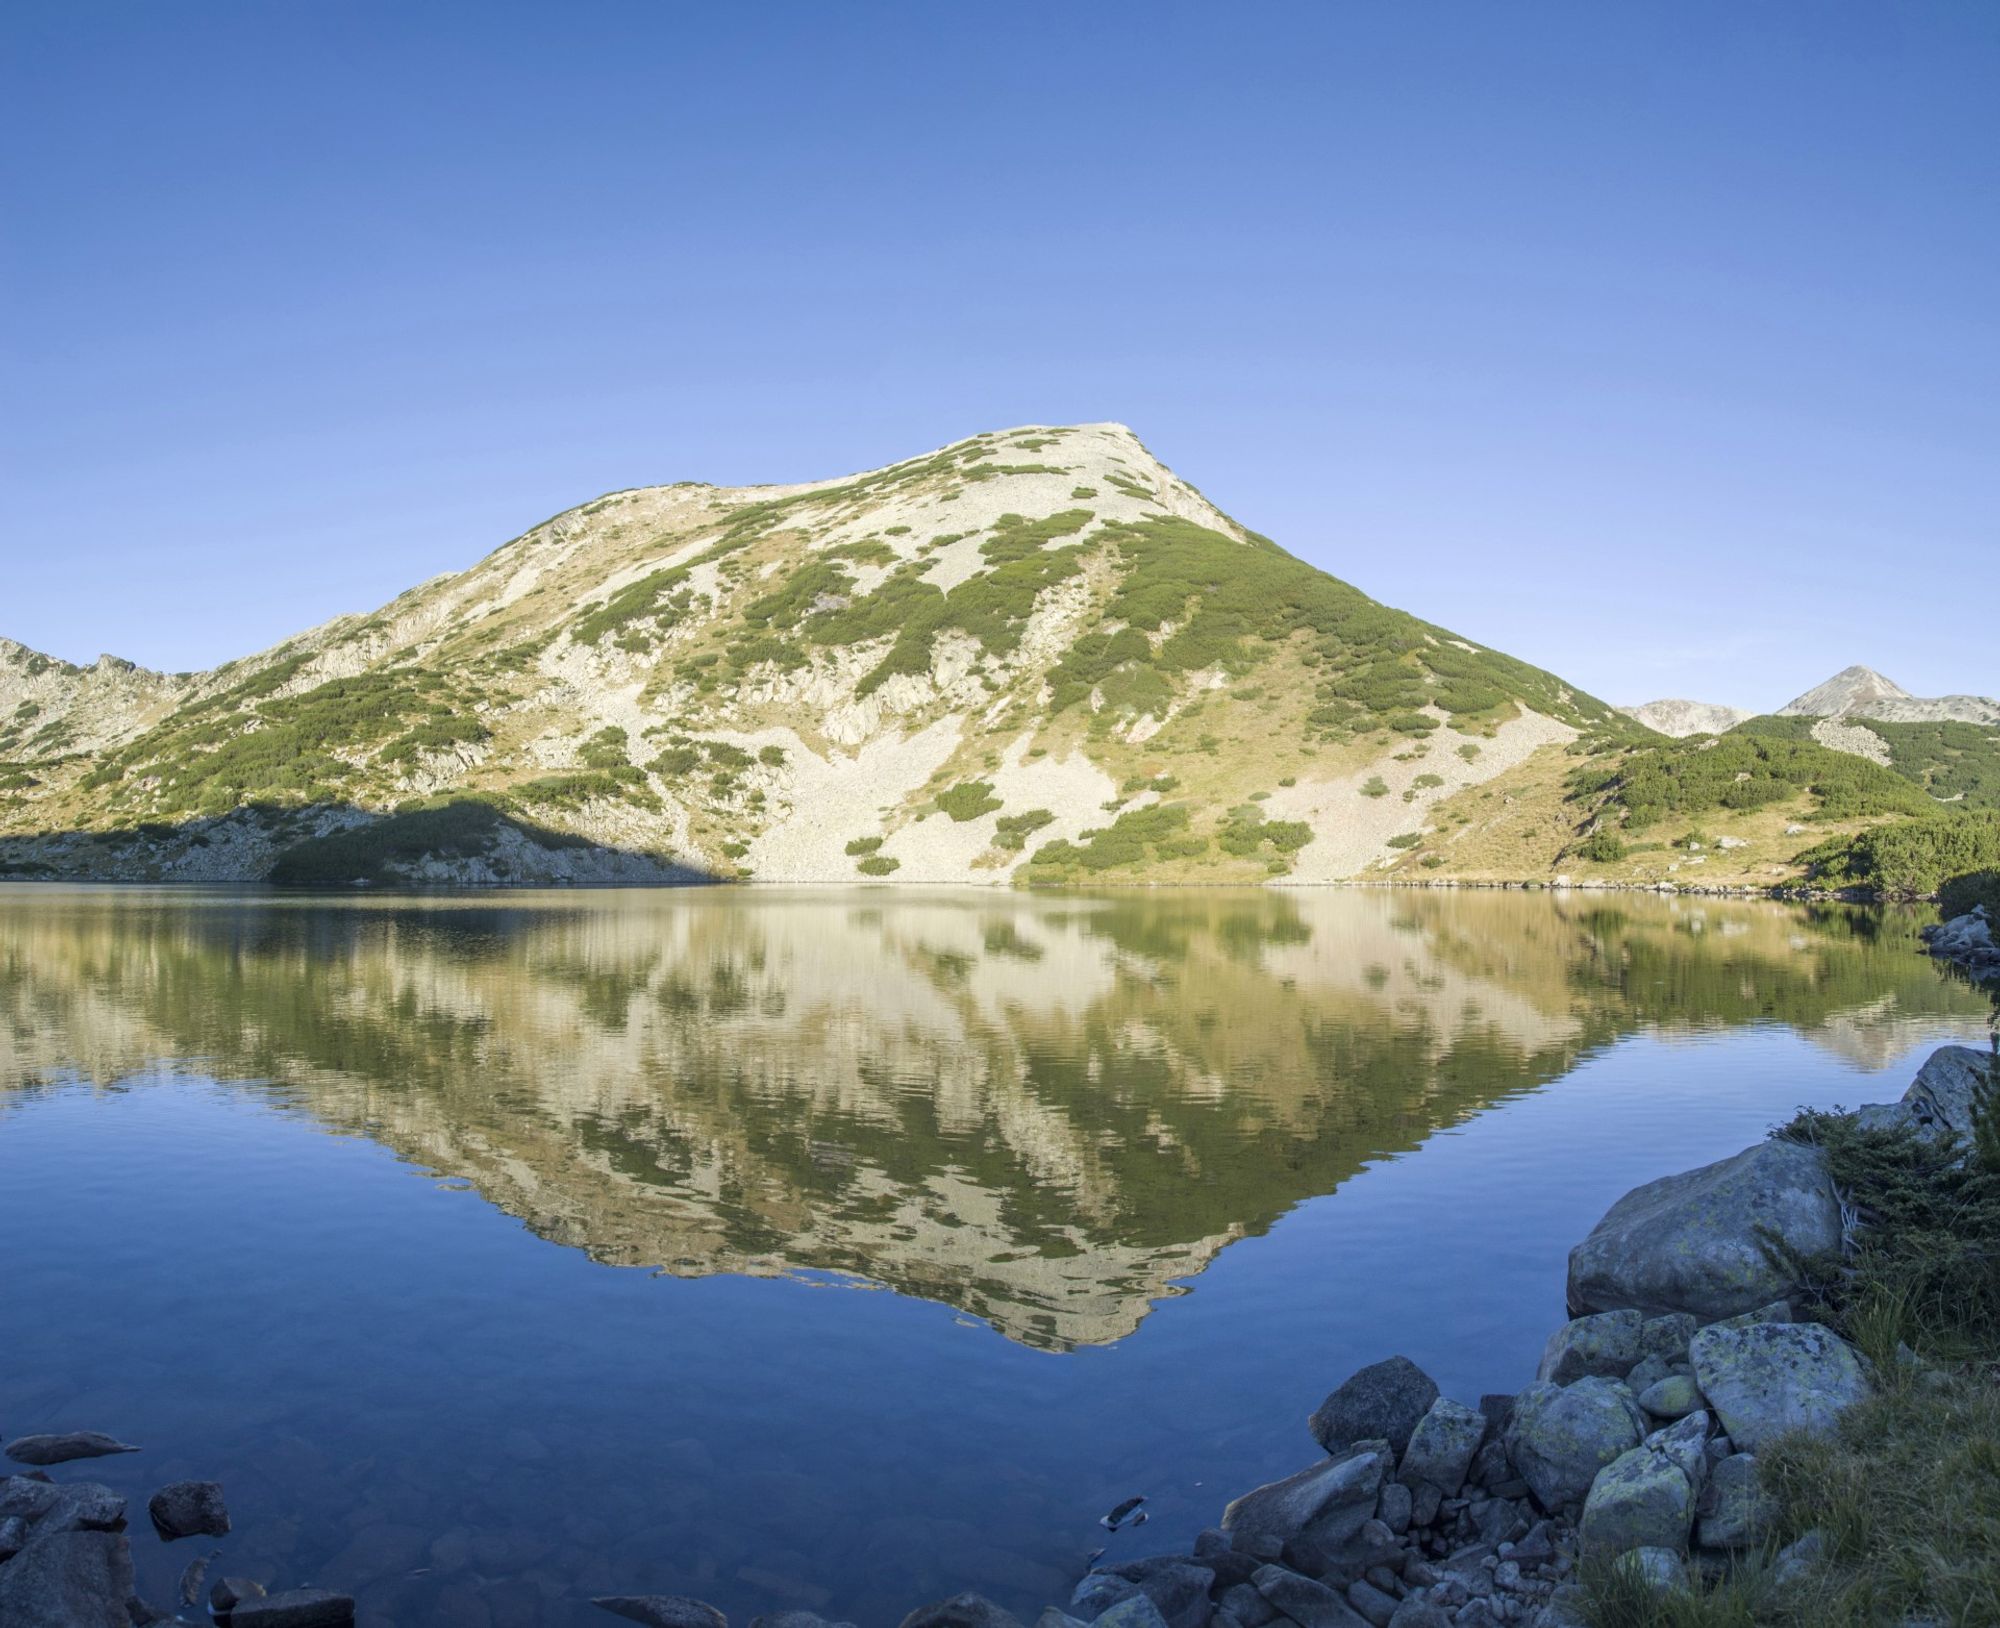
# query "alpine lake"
(830, 1248)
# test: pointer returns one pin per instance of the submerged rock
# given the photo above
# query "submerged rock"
(187, 1509)
(1694, 1242)
(195, 1575)
(1381, 1402)
(295, 1608)
(1263, 1521)
(61, 1449)
(1763, 1379)
(668, 1610)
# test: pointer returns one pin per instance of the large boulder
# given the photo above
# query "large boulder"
(1694, 1242)
(1941, 1096)
(960, 1611)
(1340, 1492)
(1381, 1402)
(1560, 1436)
(1763, 1379)
(1640, 1500)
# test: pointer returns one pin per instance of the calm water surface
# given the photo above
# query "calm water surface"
(835, 1249)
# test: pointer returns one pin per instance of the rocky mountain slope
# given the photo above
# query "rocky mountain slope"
(1680, 719)
(1861, 692)
(1037, 656)
(1036, 652)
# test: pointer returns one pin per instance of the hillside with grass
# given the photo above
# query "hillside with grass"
(1034, 656)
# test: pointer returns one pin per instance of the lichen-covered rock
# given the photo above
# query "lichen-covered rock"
(1694, 1242)
(1671, 1398)
(1560, 1436)
(1766, 1378)
(1734, 1510)
(1442, 1446)
(1381, 1402)
(1666, 1337)
(1640, 1500)
(1605, 1344)
(1941, 1096)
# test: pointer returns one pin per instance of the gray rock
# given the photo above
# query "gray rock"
(1888, 1116)
(1605, 1344)
(1051, 1618)
(1693, 1242)
(1562, 1435)
(1263, 1521)
(678, 1611)
(187, 1509)
(1667, 1336)
(1778, 1311)
(1941, 1096)
(1096, 1592)
(1179, 1590)
(67, 1506)
(1381, 1402)
(1417, 1612)
(62, 1449)
(1671, 1398)
(1442, 1446)
(14, 1535)
(960, 1611)
(1564, 1609)
(1309, 1604)
(1640, 1500)
(1798, 1558)
(1735, 1510)
(1246, 1605)
(297, 1608)
(1767, 1378)
(69, 1579)
(1134, 1611)
(1647, 1372)
(1498, 1406)
(230, 1592)
(1426, 1501)
(1684, 1443)
(1393, 1510)
(1373, 1603)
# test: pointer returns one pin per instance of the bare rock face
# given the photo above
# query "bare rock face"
(1861, 692)
(1683, 718)
(68, 1579)
(1763, 1379)
(1693, 1242)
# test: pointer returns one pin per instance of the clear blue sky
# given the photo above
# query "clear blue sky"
(1656, 344)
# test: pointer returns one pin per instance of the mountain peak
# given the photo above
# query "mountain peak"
(1852, 689)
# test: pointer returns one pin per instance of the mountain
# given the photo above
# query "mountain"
(1683, 718)
(1861, 692)
(1034, 654)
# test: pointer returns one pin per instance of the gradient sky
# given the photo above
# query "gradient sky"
(1655, 344)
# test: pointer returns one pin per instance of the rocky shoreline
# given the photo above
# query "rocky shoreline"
(1635, 1445)
(1967, 943)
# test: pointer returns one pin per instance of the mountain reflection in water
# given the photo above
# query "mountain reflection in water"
(1041, 1110)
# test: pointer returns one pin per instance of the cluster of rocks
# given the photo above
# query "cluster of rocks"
(1967, 942)
(66, 1559)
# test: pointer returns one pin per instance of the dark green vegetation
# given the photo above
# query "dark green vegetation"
(1140, 835)
(1953, 762)
(386, 850)
(968, 800)
(1645, 783)
(1213, 603)
(1910, 857)
(1961, 893)
(1011, 831)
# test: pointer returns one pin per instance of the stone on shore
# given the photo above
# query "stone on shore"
(230, 1592)
(1735, 1511)
(295, 1608)
(1382, 1402)
(67, 1579)
(678, 1611)
(61, 1506)
(1263, 1521)
(1606, 1344)
(61, 1449)
(811, 1619)
(1694, 1242)
(1671, 1398)
(1442, 1446)
(1305, 1602)
(1560, 1436)
(1767, 1378)
(188, 1509)
(1941, 1096)
(1640, 1500)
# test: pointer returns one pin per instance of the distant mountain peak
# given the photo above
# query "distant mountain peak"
(1861, 692)
(1683, 718)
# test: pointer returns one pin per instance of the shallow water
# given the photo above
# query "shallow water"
(836, 1249)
